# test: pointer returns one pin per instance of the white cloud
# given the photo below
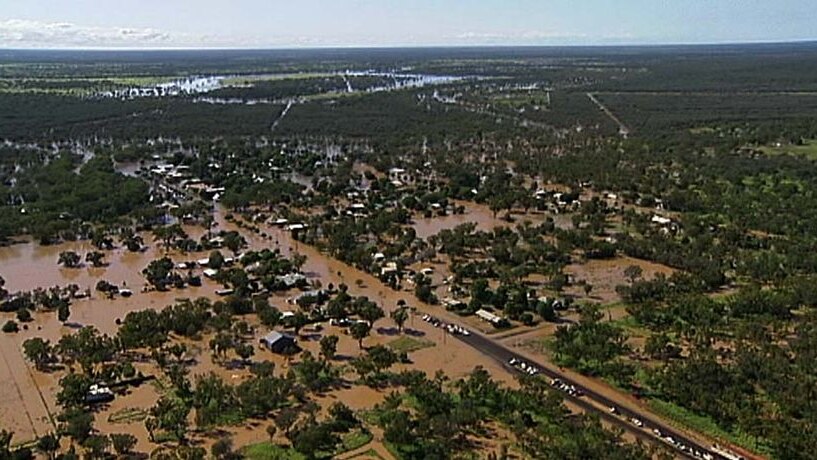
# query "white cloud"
(22, 33)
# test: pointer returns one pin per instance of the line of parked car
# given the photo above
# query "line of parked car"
(522, 366)
(451, 328)
(567, 388)
(666, 438)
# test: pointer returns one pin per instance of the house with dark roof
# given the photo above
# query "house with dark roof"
(278, 342)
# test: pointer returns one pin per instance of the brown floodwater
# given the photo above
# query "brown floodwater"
(28, 404)
(483, 217)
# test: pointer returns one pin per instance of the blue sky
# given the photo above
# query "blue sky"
(300, 23)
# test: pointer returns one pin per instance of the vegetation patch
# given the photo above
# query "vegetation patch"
(407, 344)
(128, 415)
(269, 451)
(707, 426)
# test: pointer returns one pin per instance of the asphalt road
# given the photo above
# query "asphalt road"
(622, 419)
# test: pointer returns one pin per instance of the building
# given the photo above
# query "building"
(277, 342)
(488, 316)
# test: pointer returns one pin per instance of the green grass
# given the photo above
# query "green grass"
(702, 424)
(808, 149)
(406, 344)
(354, 440)
(371, 453)
(128, 415)
(269, 451)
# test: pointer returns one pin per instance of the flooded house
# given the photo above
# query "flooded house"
(278, 342)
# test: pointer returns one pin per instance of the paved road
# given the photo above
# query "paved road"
(504, 355)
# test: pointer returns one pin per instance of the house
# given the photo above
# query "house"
(292, 279)
(488, 316)
(277, 342)
(98, 394)
(389, 268)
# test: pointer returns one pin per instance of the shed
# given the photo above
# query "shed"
(278, 342)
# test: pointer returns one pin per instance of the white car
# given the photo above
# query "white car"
(637, 422)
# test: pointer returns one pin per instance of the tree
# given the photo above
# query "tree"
(329, 346)
(400, 316)
(220, 343)
(169, 414)
(371, 313)
(313, 438)
(74, 389)
(95, 258)
(10, 327)
(158, 273)
(382, 357)
(286, 418)
(169, 234)
(69, 259)
(5, 443)
(222, 449)
(271, 431)
(234, 241)
(633, 273)
(48, 444)
(24, 315)
(244, 351)
(38, 351)
(96, 446)
(63, 312)
(360, 330)
(3, 292)
(76, 424)
(216, 260)
(298, 321)
(123, 443)
(269, 316)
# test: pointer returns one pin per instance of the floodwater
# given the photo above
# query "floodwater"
(28, 405)
(484, 219)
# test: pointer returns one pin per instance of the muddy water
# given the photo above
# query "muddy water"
(484, 218)
(28, 404)
(606, 275)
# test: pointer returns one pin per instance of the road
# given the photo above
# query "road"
(622, 128)
(502, 354)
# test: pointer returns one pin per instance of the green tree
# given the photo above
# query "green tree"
(63, 312)
(39, 351)
(95, 258)
(359, 331)
(48, 445)
(123, 443)
(76, 423)
(329, 346)
(400, 316)
(69, 259)
(158, 272)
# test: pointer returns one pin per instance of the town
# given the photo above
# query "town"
(456, 254)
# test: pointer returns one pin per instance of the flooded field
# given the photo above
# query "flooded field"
(605, 275)
(484, 219)
(28, 404)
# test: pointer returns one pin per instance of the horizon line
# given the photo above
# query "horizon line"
(417, 46)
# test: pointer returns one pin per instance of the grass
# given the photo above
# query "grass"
(371, 453)
(808, 149)
(406, 344)
(702, 424)
(128, 415)
(354, 440)
(269, 451)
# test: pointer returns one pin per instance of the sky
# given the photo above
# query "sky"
(366, 23)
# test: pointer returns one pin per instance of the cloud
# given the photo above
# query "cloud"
(533, 38)
(23, 33)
